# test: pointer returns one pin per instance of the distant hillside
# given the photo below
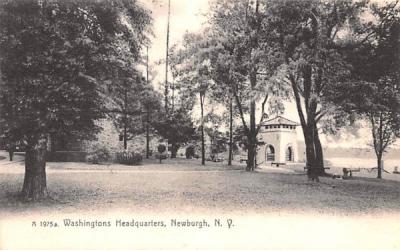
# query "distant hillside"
(331, 152)
(359, 153)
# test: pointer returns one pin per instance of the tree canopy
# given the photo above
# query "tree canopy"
(56, 58)
(373, 92)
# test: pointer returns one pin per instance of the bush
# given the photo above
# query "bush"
(66, 156)
(190, 152)
(128, 158)
(99, 154)
(161, 148)
(162, 156)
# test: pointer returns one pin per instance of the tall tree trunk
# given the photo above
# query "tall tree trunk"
(147, 134)
(250, 154)
(230, 132)
(319, 154)
(379, 159)
(125, 118)
(35, 186)
(174, 150)
(377, 126)
(203, 152)
(167, 60)
(252, 131)
(148, 109)
(310, 127)
(173, 97)
(125, 136)
(310, 153)
(11, 154)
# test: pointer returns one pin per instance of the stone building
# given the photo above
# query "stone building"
(280, 145)
(71, 148)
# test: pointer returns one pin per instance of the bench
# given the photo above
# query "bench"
(373, 169)
(218, 159)
(277, 164)
(348, 172)
(305, 168)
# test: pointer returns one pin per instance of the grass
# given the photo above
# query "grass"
(186, 186)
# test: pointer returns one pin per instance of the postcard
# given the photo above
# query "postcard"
(207, 124)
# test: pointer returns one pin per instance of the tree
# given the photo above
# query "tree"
(52, 66)
(230, 156)
(245, 48)
(124, 84)
(374, 92)
(219, 93)
(379, 104)
(243, 62)
(218, 141)
(307, 34)
(221, 116)
(177, 128)
(127, 96)
(190, 152)
(161, 149)
(166, 84)
(151, 103)
(191, 70)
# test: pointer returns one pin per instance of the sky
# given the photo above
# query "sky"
(185, 17)
(188, 16)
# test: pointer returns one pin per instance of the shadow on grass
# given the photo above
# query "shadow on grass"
(15, 200)
(237, 191)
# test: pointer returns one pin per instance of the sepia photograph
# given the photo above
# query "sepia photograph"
(199, 124)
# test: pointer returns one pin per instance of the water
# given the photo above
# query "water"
(353, 162)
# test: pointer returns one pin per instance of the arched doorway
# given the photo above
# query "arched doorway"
(270, 153)
(289, 154)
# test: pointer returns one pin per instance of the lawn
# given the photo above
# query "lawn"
(186, 186)
(271, 208)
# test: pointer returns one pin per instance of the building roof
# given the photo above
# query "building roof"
(279, 120)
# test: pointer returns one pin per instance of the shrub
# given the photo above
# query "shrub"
(99, 154)
(162, 156)
(190, 152)
(128, 158)
(66, 156)
(161, 148)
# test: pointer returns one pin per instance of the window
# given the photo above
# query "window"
(270, 153)
(289, 154)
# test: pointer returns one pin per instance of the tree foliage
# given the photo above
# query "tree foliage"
(374, 91)
(177, 128)
(309, 37)
(191, 69)
(244, 64)
(55, 59)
